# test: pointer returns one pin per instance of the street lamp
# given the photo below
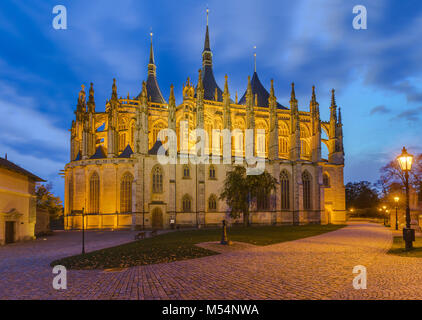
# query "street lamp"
(405, 161)
(387, 219)
(396, 200)
(385, 211)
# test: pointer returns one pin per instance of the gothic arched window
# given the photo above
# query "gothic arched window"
(306, 183)
(212, 203)
(186, 203)
(212, 172)
(157, 180)
(304, 148)
(283, 129)
(285, 190)
(126, 193)
(94, 193)
(283, 145)
(122, 141)
(157, 127)
(326, 180)
(186, 171)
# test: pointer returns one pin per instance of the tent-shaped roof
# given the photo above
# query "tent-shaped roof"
(99, 153)
(259, 90)
(126, 153)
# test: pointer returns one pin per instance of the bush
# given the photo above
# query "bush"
(365, 213)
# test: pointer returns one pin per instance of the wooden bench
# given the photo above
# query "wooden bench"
(140, 235)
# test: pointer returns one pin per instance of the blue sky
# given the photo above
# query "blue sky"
(376, 72)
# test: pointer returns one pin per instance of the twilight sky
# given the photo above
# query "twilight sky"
(376, 72)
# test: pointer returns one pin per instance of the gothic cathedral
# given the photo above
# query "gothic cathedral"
(114, 176)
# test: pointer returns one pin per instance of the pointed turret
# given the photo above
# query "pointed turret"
(335, 142)
(250, 113)
(141, 132)
(114, 90)
(333, 107)
(226, 104)
(294, 153)
(333, 114)
(273, 143)
(91, 101)
(200, 102)
(315, 128)
(154, 92)
(339, 116)
(172, 110)
(81, 105)
(314, 110)
(113, 123)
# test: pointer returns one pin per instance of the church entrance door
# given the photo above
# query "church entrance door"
(10, 232)
(157, 218)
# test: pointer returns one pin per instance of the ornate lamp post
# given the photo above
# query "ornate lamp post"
(396, 200)
(405, 161)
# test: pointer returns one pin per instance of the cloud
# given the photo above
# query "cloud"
(29, 136)
(380, 109)
(410, 115)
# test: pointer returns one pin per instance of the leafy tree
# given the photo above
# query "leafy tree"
(361, 195)
(48, 201)
(240, 190)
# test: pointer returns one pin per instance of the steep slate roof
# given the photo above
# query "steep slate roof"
(99, 153)
(263, 95)
(6, 164)
(156, 147)
(153, 90)
(126, 153)
(210, 84)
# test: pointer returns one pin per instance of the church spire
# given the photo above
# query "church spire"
(254, 59)
(151, 64)
(207, 54)
(154, 92)
(207, 37)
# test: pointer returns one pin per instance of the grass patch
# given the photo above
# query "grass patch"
(180, 245)
(398, 248)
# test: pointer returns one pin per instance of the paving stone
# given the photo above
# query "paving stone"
(318, 267)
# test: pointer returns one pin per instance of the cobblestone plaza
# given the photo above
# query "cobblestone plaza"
(318, 267)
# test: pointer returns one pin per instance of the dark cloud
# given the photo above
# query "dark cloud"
(411, 115)
(380, 109)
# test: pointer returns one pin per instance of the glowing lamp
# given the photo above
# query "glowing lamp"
(405, 160)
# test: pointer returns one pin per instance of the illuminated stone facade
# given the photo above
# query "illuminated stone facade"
(114, 174)
(17, 203)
